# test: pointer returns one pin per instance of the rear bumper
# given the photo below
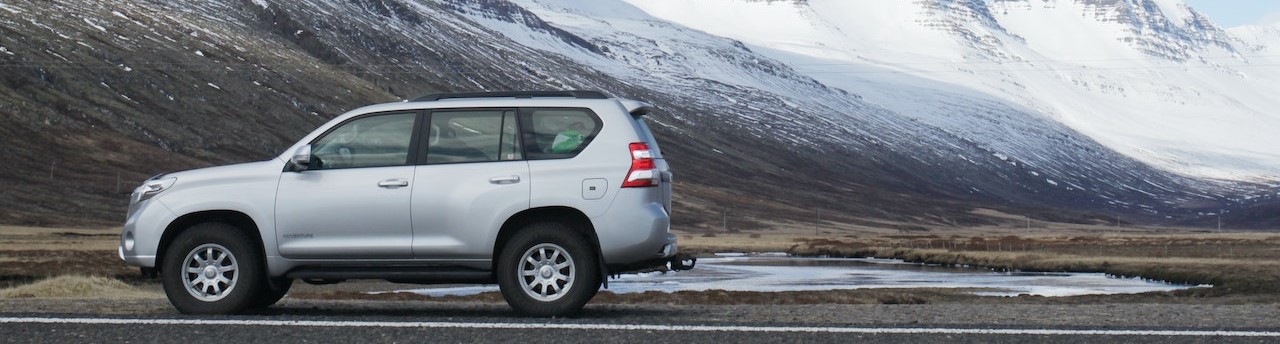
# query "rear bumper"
(635, 230)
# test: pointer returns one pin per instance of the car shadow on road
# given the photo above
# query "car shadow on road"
(447, 310)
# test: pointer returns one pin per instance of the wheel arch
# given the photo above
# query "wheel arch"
(236, 219)
(573, 218)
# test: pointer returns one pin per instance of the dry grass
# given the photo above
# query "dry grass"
(28, 265)
(7, 230)
(14, 238)
(96, 287)
(29, 254)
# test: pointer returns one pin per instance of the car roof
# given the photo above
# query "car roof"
(578, 94)
(508, 99)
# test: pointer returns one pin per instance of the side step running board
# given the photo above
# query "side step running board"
(398, 274)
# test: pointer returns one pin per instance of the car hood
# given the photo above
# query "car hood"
(227, 171)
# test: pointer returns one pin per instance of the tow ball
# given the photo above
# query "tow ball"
(682, 262)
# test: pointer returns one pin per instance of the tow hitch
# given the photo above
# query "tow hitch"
(681, 262)
(678, 262)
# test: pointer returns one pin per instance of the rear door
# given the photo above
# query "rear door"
(471, 177)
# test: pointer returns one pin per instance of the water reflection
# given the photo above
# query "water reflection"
(774, 273)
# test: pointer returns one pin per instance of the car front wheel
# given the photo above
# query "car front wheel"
(212, 268)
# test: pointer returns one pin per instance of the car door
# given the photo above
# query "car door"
(471, 178)
(352, 201)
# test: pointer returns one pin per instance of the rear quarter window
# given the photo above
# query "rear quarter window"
(558, 133)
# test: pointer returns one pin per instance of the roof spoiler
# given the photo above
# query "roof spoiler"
(636, 108)
(514, 94)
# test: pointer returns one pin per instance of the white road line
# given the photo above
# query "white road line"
(621, 327)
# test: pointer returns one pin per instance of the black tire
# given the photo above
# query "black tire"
(269, 295)
(581, 275)
(230, 248)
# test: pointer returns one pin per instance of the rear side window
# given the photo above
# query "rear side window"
(472, 136)
(558, 133)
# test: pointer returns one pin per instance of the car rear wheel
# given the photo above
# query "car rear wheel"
(212, 268)
(547, 269)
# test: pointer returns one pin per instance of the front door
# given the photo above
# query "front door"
(353, 199)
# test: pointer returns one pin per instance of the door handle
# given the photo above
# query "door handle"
(505, 180)
(394, 183)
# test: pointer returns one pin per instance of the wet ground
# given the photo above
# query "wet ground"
(781, 273)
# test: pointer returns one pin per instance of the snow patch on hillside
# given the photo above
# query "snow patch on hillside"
(10, 8)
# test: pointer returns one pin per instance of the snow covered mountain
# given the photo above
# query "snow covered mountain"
(1264, 39)
(1152, 79)
(882, 113)
(988, 146)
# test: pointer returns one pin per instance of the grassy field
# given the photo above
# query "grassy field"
(1242, 266)
(29, 254)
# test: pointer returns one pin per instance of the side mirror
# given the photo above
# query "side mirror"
(301, 158)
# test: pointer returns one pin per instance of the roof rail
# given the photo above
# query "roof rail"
(513, 94)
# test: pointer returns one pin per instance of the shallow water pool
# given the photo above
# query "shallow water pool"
(775, 273)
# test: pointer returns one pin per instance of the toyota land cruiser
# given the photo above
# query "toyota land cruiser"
(544, 193)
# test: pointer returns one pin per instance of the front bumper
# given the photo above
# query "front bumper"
(140, 237)
(146, 261)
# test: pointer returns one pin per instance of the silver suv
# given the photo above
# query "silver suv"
(544, 193)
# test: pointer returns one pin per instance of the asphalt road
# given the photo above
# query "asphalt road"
(258, 329)
(300, 321)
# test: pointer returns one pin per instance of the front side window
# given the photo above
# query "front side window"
(378, 140)
(559, 133)
(472, 136)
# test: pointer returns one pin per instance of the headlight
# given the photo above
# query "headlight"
(153, 187)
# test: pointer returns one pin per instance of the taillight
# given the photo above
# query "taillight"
(644, 172)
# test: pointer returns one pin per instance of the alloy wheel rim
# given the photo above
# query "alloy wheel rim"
(546, 272)
(210, 272)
